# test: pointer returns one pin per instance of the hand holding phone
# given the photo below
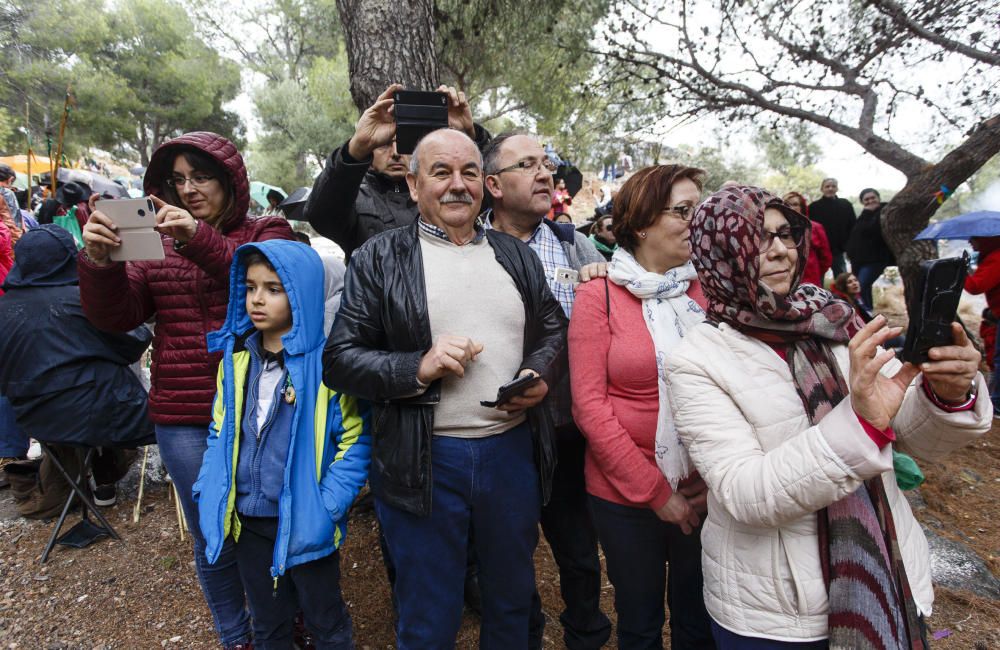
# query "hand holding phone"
(514, 388)
(123, 230)
(933, 305)
(376, 127)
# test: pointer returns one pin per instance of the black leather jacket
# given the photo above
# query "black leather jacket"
(383, 330)
(350, 203)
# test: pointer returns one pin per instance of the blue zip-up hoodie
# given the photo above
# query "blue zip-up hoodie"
(330, 442)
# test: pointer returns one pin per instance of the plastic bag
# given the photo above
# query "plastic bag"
(908, 474)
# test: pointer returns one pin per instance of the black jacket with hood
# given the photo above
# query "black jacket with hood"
(381, 333)
(68, 381)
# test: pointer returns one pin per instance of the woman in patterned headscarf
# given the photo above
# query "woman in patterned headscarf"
(789, 409)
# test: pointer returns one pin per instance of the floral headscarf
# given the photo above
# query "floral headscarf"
(726, 233)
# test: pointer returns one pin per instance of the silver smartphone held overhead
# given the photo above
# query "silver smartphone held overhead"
(135, 219)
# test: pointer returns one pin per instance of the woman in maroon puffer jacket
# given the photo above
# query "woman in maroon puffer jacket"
(203, 196)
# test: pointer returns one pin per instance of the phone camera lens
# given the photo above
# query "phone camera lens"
(142, 213)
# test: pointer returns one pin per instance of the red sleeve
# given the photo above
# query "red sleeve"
(880, 437)
(115, 297)
(213, 251)
(821, 246)
(620, 460)
(6, 252)
(986, 277)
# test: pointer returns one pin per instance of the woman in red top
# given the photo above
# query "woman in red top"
(820, 258)
(203, 196)
(619, 336)
(986, 280)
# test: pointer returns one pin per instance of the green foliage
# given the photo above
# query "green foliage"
(718, 166)
(301, 93)
(302, 122)
(138, 72)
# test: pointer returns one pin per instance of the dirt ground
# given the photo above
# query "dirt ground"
(141, 592)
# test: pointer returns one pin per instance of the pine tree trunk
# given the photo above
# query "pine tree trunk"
(910, 210)
(388, 41)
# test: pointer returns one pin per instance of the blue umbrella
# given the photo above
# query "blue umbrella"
(984, 223)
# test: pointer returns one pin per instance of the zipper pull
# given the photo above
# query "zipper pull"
(274, 594)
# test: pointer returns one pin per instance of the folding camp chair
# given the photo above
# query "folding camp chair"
(84, 532)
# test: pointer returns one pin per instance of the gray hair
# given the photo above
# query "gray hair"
(831, 178)
(415, 156)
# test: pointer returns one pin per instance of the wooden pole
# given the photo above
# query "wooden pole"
(62, 134)
(27, 136)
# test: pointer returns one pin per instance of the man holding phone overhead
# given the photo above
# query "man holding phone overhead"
(362, 189)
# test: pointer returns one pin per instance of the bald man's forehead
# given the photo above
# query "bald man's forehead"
(450, 144)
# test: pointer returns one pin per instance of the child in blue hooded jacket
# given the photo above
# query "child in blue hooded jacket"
(286, 455)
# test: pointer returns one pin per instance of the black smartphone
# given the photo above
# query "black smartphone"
(418, 112)
(933, 305)
(512, 389)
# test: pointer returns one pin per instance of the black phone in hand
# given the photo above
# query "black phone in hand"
(512, 389)
(418, 113)
(933, 305)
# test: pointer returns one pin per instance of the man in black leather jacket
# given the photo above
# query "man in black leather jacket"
(362, 189)
(442, 465)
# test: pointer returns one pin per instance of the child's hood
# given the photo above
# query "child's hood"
(301, 272)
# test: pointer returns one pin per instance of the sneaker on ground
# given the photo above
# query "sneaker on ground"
(105, 495)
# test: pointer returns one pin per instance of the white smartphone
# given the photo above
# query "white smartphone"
(135, 219)
(565, 276)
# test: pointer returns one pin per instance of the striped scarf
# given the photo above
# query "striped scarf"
(871, 605)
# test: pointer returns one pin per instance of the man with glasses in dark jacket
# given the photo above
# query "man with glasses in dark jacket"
(519, 179)
(362, 189)
(435, 317)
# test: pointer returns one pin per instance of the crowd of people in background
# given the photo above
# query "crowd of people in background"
(690, 398)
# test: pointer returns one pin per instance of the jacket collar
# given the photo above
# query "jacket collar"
(564, 232)
(383, 183)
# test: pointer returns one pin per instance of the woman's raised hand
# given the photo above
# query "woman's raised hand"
(99, 237)
(875, 397)
(173, 221)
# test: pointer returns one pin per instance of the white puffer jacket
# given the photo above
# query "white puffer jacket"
(769, 472)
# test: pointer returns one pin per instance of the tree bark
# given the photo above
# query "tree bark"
(911, 209)
(388, 42)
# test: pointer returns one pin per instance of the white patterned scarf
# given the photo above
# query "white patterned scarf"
(669, 313)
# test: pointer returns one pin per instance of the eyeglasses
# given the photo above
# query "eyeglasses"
(684, 211)
(198, 181)
(530, 166)
(790, 238)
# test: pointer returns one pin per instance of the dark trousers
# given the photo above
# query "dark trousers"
(571, 534)
(867, 275)
(312, 588)
(638, 546)
(726, 640)
(487, 487)
(839, 264)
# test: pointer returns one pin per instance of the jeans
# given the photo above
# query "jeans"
(638, 545)
(867, 275)
(13, 441)
(181, 449)
(487, 487)
(570, 531)
(314, 587)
